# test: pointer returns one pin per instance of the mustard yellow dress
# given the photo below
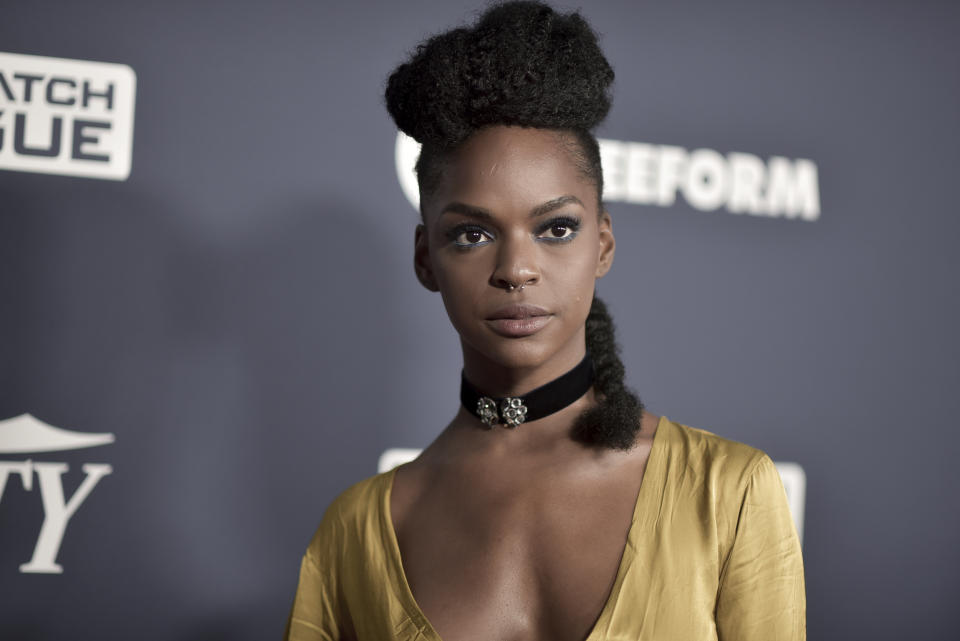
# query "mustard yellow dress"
(712, 553)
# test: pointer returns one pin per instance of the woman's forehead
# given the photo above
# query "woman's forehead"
(503, 143)
(506, 168)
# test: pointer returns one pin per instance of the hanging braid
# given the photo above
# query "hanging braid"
(615, 420)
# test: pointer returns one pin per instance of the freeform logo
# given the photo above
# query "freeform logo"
(69, 117)
(646, 174)
(25, 434)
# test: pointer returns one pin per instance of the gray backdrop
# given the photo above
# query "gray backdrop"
(228, 310)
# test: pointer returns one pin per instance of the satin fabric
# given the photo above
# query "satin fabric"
(712, 554)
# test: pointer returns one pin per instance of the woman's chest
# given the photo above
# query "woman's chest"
(514, 561)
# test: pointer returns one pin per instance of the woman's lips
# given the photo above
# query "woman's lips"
(516, 321)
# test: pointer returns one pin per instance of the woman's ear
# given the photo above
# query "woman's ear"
(607, 244)
(421, 259)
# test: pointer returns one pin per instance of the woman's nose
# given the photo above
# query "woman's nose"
(517, 264)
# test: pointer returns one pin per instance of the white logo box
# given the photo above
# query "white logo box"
(67, 117)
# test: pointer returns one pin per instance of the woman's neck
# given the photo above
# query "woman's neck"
(519, 375)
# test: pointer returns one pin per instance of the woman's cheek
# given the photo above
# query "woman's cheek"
(460, 283)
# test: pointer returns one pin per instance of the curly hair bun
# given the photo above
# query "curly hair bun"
(521, 64)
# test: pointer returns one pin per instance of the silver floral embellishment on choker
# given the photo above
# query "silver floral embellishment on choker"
(487, 411)
(513, 411)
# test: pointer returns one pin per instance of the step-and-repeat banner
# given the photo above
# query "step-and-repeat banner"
(210, 326)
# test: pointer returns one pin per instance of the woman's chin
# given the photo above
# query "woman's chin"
(527, 353)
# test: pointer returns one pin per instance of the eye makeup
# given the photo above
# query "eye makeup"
(468, 231)
(569, 224)
(468, 235)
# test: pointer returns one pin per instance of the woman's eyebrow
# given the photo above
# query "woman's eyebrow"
(467, 210)
(478, 212)
(551, 205)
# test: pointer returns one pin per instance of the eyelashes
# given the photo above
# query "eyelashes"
(560, 229)
(468, 235)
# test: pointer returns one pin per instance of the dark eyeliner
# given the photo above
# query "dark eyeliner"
(572, 223)
(456, 230)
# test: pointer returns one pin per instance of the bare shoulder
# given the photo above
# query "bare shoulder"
(409, 481)
(648, 425)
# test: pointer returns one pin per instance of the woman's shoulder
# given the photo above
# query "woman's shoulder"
(710, 455)
(353, 514)
(357, 500)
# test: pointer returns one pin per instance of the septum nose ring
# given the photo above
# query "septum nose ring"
(511, 287)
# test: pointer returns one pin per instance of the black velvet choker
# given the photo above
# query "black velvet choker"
(543, 401)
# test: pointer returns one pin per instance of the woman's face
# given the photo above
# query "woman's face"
(513, 209)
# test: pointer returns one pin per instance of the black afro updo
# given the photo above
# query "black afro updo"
(521, 64)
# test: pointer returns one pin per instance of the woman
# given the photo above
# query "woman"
(552, 506)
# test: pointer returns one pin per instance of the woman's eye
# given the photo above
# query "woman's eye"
(470, 237)
(559, 231)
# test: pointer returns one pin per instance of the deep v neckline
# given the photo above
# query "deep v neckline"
(652, 475)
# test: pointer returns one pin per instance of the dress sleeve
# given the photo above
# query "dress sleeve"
(314, 613)
(761, 595)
